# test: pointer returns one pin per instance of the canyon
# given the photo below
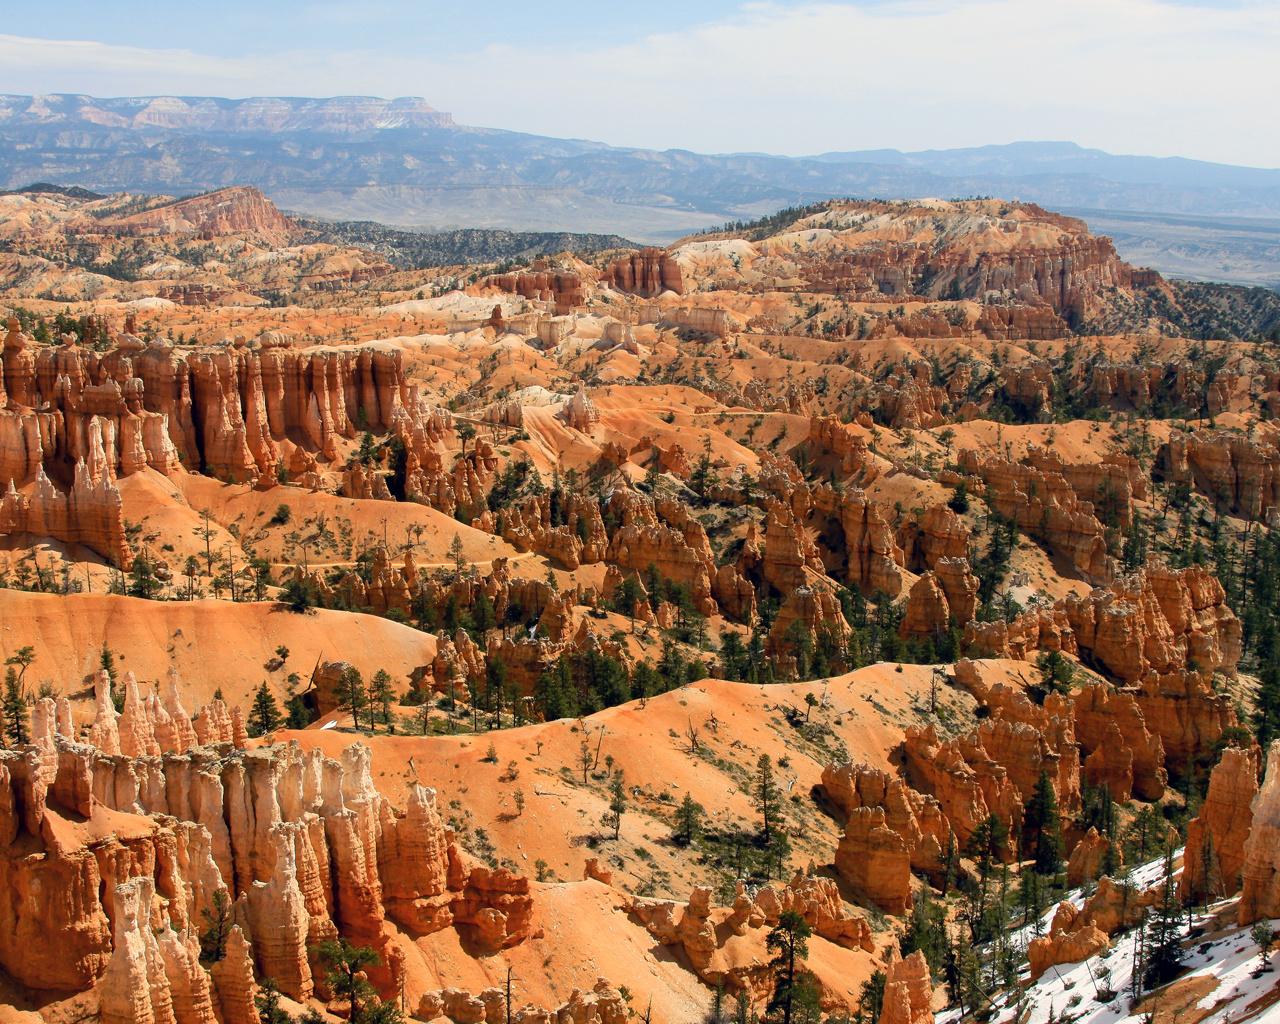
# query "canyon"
(594, 623)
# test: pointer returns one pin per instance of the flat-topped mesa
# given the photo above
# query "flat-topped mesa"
(868, 250)
(308, 840)
(560, 290)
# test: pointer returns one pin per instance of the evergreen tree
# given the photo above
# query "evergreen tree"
(381, 696)
(218, 923)
(766, 798)
(143, 581)
(612, 818)
(264, 715)
(299, 596)
(985, 844)
(733, 655)
(1164, 957)
(626, 595)
(1041, 819)
(926, 930)
(789, 941)
(688, 820)
(871, 998)
(296, 714)
(351, 694)
(345, 965)
(267, 1000)
(1266, 718)
(14, 706)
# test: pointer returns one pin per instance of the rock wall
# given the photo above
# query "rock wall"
(1260, 872)
(648, 273)
(305, 844)
(1217, 836)
(229, 411)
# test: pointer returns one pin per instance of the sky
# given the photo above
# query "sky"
(1148, 77)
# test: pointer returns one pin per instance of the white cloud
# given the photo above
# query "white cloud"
(1129, 76)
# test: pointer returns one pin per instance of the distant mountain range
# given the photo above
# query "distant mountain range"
(400, 162)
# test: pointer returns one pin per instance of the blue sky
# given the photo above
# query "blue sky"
(1158, 77)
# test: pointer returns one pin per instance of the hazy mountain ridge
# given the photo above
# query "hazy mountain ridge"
(401, 162)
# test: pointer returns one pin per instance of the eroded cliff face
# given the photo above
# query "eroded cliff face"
(1260, 872)
(1218, 835)
(102, 849)
(232, 411)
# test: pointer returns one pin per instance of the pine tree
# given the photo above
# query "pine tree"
(381, 694)
(218, 922)
(264, 715)
(766, 798)
(688, 820)
(345, 965)
(871, 998)
(790, 942)
(14, 705)
(351, 694)
(267, 1000)
(1041, 817)
(1164, 959)
(612, 818)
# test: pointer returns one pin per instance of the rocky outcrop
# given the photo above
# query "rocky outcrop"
(665, 534)
(311, 844)
(711, 937)
(230, 411)
(876, 860)
(846, 447)
(1043, 504)
(154, 975)
(90, 513)
(648, 273)
(908, 991)
(1231, 468)
(1260, 873)
(561, 290)
(940, 595)
(963, 777)
(580, 412)
(1086, 862)
(916, 818)
(1065, 947)
(1118, 749)
(1158, 623)
(1216, 837)
(807, 616)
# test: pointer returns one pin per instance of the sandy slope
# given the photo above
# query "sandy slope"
(211, 643)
